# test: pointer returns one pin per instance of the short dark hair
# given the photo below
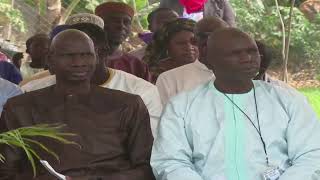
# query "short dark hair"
(155, 12)
(16, 56)
(34, 37)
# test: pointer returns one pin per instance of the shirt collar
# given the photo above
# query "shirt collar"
(201, 66)
(267, 78)
(111, 75)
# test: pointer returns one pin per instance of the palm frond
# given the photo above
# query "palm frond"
(2, 158)
(20, 138)
(43, 147)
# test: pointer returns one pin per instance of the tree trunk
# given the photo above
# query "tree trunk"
(136, 23)
(53, 12)
(285, 68)
(69, 10)
(8, 27)
(283, 52)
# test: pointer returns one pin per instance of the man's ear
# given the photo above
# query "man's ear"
(50, 63)
(96, 57)
(205, 49)
(204, 53)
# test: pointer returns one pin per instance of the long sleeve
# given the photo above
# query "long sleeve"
(152, 100)
(16, 76)
(228, 14)
(172, 155)
(15, 92)
(139, 145)
(14, 158)
(8, 91)
(163, 89)
(9, 72)
(303, 142)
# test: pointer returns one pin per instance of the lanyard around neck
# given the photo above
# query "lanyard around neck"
(258, 129)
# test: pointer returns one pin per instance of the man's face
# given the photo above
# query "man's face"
(117, 27)
(161, 18)
(73, 61)
(39, 48)
(182, 46)
(236, 58)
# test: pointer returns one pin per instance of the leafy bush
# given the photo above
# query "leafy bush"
(13, 15)
(22, 138)
(263, 23)
(141, 7)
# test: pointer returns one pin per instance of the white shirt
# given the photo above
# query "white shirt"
(183, 78)
(27, 71)
(119, 80)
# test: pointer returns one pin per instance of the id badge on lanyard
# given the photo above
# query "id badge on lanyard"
(273, 173)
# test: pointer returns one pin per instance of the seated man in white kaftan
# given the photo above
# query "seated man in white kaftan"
(234, 128)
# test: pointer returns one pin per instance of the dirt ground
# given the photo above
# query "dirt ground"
(305, 78)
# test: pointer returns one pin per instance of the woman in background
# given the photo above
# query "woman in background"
(173, 45)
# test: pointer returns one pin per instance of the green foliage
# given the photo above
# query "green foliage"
(22, 138)
(313, 95)
(141, 7)
(81, 6)
(91, 4)
(286, 3)
(13, 15)
(38, 4)
(264, 24)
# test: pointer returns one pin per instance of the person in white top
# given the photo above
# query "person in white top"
(189, 76)
(183, 78)
(107, 77)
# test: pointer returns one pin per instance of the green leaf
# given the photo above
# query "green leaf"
(14, 16)
(42, 147)
(2, 158)
(20, 138)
